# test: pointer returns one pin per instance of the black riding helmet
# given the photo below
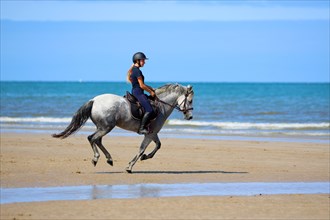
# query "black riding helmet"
(139, 56)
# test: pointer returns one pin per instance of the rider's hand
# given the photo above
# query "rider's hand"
(152, 93)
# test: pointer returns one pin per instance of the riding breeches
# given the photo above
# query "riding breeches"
(138, 93)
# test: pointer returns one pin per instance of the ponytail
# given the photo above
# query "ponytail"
(129, 72)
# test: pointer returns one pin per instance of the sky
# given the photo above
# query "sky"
(186, 41)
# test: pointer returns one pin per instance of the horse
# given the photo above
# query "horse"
(109, 110)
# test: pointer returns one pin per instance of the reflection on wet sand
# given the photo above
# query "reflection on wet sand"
(12, 195)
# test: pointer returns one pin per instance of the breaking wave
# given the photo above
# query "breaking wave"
(182, 127)
(34, 119)
(249, 125)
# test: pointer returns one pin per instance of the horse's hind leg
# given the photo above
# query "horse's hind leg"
(106, 153)
(146, 141)
(94, 147)
(96, 141)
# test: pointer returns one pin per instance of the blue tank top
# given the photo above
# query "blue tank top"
(136, 73)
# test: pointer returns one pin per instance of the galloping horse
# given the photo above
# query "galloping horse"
(109, 110)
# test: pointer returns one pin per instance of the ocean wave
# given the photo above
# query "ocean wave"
(175, 126)
(191, 124)
(243, 132)
(249, 125)
(34, 119)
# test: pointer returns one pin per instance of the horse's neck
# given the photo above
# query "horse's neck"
(170, 93)
(170, 98)
(166, 109)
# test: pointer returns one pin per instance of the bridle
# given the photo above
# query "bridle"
(177, 106)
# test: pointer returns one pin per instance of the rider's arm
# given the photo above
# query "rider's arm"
(150, 87)
(146, 87)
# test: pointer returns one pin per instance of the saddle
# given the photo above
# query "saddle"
(137, 110)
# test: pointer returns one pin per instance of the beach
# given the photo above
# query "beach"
(242, 110)
(38, 160)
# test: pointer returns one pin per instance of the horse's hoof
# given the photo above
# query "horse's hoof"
(110, 162)
(144, 157)
(94, 162)
(128, 170)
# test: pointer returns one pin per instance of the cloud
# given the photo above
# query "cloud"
(159, 11)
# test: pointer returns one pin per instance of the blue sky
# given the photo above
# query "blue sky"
(199, 41)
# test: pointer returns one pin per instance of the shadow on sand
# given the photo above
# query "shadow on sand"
(178, 172)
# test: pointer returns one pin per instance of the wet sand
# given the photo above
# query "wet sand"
(37, 160)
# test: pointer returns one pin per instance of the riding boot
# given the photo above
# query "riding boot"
(144, 121)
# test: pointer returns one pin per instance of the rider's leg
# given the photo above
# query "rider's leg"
(147, 115)
(138, 93)
(144, 122)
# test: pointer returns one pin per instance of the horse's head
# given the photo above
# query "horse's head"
(177, 97)
(185, 102)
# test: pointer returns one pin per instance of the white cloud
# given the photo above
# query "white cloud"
(157, 11)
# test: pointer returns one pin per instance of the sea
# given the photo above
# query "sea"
(221, 110)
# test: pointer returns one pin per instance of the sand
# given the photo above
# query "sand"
(37, 160)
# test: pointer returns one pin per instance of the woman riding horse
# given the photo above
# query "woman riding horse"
(107, 111)
(135, 76)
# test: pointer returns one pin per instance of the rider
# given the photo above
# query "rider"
(136, 77)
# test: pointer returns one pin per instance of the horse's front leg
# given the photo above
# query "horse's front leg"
(157, 147)
(146, 141)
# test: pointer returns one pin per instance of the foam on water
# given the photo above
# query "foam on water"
(34, 119)
(223, 125)
(241, 125)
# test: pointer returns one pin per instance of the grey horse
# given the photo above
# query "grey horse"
(108, 111)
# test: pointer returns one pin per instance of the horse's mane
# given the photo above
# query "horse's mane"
(174, 87)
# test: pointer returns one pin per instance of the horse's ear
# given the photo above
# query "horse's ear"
(189, 88)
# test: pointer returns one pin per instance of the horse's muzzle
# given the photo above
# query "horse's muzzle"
(188, 117)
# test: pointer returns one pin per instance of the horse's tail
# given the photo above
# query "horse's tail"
(78, 120)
